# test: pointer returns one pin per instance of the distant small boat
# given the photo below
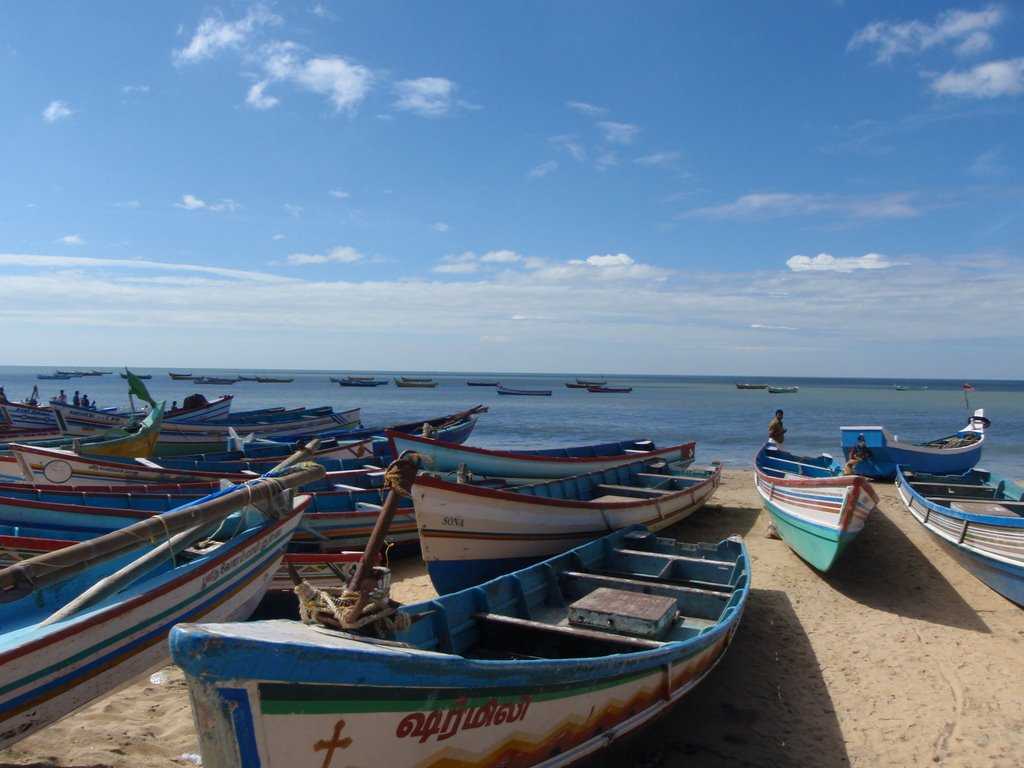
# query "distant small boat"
(783, 390)
(740, 385)
(361, 382)
(415, 378)
(610, 390)
(979, 517)
(221, 380)
(482, 383)
(246, 378)
(528, 392)
(275, 379)
(415, 383)
(54, 376)
(570, 385)
(138, 375)
(180, 376)
(900, 388)
(592, 382)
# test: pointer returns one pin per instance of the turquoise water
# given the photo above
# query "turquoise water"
(728, 424)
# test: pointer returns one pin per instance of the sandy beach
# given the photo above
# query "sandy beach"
(897, 657)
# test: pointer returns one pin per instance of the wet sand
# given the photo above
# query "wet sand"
(899, 657)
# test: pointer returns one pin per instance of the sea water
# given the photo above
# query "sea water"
(728, 424)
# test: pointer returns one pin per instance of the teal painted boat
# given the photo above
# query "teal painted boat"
(817, 510)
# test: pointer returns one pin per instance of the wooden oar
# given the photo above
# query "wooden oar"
(50, 567)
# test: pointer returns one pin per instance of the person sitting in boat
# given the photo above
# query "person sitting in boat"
(174, 405)
(3, 395)
(860, 452)
(62, 398)
(76, 400)
(776, 430)
(85, 401)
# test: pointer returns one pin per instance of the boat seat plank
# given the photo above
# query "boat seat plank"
(639, 584)
(987, 502)
(653, 492)
(610, 498)
(664, 556)
(513, 622)
(930, 484)
(995, 508)
(704, 586)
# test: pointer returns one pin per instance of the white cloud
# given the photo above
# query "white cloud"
(28, 260)
(501, 257)
(277, 236)
(425, 96)
(71, 240)
(320, 9)
(988, 164)
(132, 90)
(618, 133)
(826, 262)
(778, 204)
(606, 160)
(969, 32)
(458, 264)
(542, 170)
(570, 144)
(214, 34)
(293, 210)
(659, 159)
(440, 226)
(602, 267)
(341, 254)
(985, 81)
(763, 327)
(585, 108)
(344, 84)
(193, 203)
(57, 110)
(340, 194)
(256, 99)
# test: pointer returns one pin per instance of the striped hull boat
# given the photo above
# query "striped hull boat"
(282, 695)
(24, 416)
(815, 510)
(469, 534)
(978, 518)
(442, 456)
(47, 673)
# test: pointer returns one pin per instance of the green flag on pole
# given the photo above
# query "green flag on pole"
(137, 388)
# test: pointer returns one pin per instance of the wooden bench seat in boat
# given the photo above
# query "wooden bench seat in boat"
(649, 493)
(511, 634)
(611, 498)
(640, 585)
(996, 508)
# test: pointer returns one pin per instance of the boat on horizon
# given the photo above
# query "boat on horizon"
(482, 383)
(180, 376)
(787, 390)
(415, 383)
(741, 385)
(525, 392)
(609, 390)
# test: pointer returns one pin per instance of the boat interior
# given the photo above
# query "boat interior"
(625, 593)
(629, 482)
(593, 451)
(780, 464)
(975, 492)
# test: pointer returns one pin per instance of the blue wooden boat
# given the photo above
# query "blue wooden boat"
(526, 392)
(978, 517)
(78, 622)
(482, 383)
(440, 455)
(542, 667)
(816, 509)
(883, 451)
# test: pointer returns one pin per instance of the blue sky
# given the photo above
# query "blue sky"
(687, 188)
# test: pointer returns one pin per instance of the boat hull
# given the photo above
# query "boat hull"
(94, 654)
(469, 535)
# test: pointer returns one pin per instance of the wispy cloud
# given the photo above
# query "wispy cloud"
(663, 159)
(763, 327)
(340, 194)
(985, 81)
(193, 203)
(988, 164)
(826, 262)
(968, 32)
(897, 205)
(440, 226)
(257, 99)
(214, 34)
(542, 170)
(606, 160)
(340, 254)
(586, 108)
(343, 83)
(134, 90)
(570, 144)
(277, 236)
(458, 264)
(71, 240)
(321, 10)
(618, 133)
(57, 110)
(28, 260)
(293, 210)
(500, 257)
(425, 96)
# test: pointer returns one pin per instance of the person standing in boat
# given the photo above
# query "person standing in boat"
(62, 398)
(776, 429)
(3, 395)
(76, 400)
